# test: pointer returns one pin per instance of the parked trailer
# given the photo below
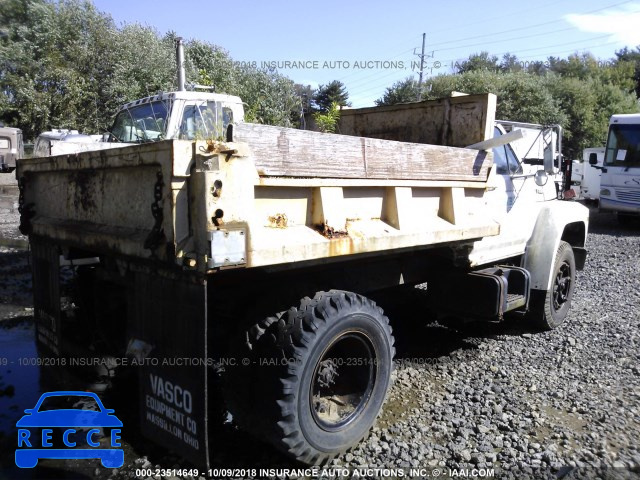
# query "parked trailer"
(254, 255)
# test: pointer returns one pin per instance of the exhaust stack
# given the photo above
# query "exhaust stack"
(180, 61)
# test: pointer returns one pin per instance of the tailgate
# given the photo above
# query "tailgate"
(127, 200)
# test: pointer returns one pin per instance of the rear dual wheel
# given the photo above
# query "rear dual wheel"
(321, 375)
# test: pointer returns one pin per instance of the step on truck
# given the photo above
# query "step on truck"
(241, 264)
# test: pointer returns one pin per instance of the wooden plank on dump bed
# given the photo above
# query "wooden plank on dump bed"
(286, 152)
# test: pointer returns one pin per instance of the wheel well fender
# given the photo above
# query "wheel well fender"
(561, 221)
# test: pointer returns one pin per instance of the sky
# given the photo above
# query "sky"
(370, 45)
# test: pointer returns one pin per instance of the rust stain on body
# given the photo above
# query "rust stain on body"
(279, 220)
(330, 232)
(83, 197)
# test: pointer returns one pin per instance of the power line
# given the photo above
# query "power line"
(504, 40)
(377, 83)
(373, 85)
(389, 58)
(374, 74)
(422, 57)
(544, 47)
(383, 87)
(573, 50)
(366, 78)
(493, 34)
(517, 12)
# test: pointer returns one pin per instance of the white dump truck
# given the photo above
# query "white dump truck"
(238, 260)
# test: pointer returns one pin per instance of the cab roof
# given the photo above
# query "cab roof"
(207, 96)
(625, 118)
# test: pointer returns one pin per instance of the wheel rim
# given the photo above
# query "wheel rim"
(343, 380)
(562, 286)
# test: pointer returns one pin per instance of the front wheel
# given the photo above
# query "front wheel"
(336, 353)
(548, 309)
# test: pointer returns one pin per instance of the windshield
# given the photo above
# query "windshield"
(206, 120)
(143, 123)
(623, 146)
(503, 157)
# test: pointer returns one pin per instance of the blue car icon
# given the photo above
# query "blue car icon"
(63, 411)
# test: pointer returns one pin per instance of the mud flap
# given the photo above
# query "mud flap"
(45, 259)
(168, 341)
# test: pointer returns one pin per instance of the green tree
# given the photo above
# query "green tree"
(63, 64)
(510, 63)
(403, 91)
(304, 93)
(67, 65)
(521, 96)
(325, 95)
(327, 122)
(270, 96)
(478, 61)
(631, 57)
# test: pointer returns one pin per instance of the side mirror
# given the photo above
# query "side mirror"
(593, 159)
(540, 178)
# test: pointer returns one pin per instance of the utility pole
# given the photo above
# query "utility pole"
(422, 58)
(424, 38)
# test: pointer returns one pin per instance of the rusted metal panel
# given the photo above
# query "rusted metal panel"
(125, 199)
(455, 121)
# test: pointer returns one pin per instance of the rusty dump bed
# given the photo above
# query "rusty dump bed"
(271, 196)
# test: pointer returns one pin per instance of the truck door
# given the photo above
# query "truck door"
(510, 193)
(502, 192)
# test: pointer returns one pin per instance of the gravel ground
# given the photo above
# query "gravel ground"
(560, 404)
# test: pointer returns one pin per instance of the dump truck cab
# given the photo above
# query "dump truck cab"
(178, 115)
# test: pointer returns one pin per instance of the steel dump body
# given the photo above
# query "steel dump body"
(273, 196)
